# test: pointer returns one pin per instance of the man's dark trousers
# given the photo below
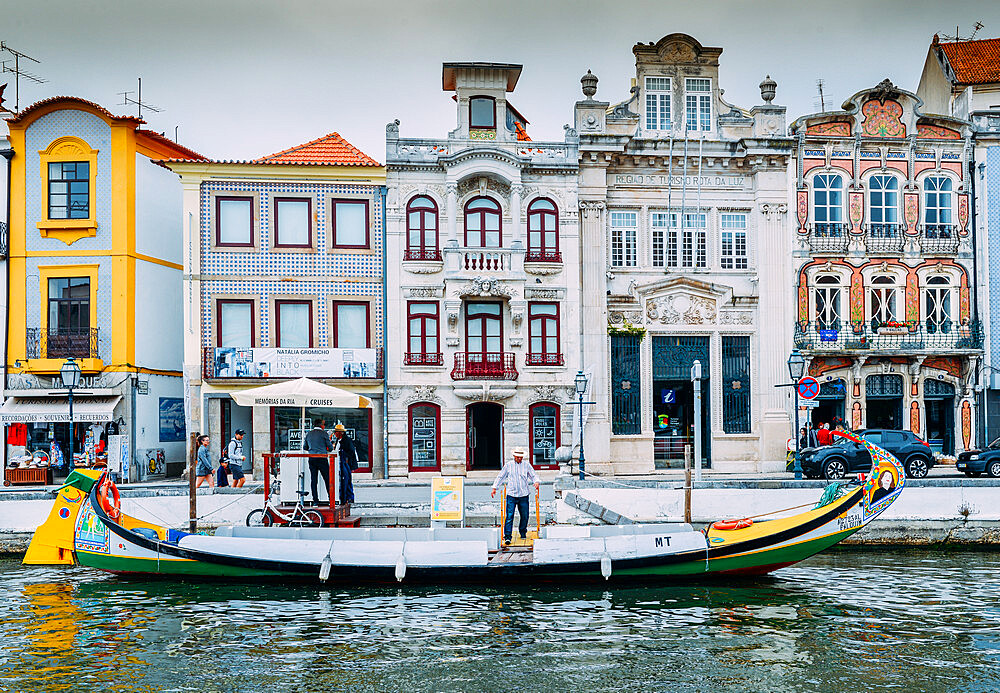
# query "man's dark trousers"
(521, 503)
(317, 466)
(346, 483)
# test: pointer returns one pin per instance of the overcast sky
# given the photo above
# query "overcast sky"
(242, 79)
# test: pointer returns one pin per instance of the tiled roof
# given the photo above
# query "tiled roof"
(329, 149)
(189, 154)
(974, 62)
(73, 99)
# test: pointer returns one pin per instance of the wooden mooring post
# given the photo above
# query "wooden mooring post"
(192, 476)
(687, 483)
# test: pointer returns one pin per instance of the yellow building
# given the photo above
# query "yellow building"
(95, 270)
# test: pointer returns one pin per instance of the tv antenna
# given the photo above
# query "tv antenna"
(958, 35)
(822, 100)
(137, 101)
(18, 71)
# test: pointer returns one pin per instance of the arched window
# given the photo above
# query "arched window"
(482, 223)
(882, 301)
(827, 297)
(883, 205)
(937, 305)
(828, 204)
(422, 230)
(544, 434)
(425, 437)
(937, 207)
(543, 232)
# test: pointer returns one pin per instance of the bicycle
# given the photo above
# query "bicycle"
(299, 517)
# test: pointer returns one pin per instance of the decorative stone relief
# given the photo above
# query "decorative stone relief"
(483, 286)
(544, 293)
(422, 393)
(423, 266)
(635, 317)
(773, 210)
(485, 393)
(543, 268)
(591, 208)
(681, 309)
(481, 185)
(736, 317)
(551, 393)
(395, 392)
(451, 310)
(451, 341)
(425, 292)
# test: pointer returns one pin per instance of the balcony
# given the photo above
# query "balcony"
(267, 363)
(884, 238)
(3, 240)
(553, 256)
(939, 239)
(56, 343)
(422, 359)
(496, 260)
(543, 360)
(422, 254)
(828, 238)
(869, 337)
(491, 366)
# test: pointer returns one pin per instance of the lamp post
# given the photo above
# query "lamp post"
(581, 387)
(696, 382)
(796, 369)
(70, 374)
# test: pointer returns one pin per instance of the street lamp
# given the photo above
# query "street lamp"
(581, 387)
(70, 374)
(796, 369)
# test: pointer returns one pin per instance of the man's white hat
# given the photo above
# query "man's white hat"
(517, 452)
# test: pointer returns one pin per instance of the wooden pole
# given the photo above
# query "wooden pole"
(687, 483)
(192, 491)
(538, 513)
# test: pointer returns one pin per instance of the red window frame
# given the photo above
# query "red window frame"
(218, 319)
(494, 104)
(543, 357)
(425, 250)
(423, 357)
(437, 437)
(540, 252)
(483, 214)
(531, 432)
(277, 319)
(309, 222)
(334, 335)
(219, 199)
(333, 222)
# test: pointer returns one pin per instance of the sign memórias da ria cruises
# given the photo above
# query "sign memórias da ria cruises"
(727, 181)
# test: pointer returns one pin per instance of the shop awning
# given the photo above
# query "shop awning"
(53, 409)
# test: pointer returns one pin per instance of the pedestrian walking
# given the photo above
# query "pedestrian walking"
(203, 473)
(234, 453)
(518, 475)
(318, 442)
(348, 455)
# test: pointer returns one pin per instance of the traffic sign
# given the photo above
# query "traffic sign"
(808, 387)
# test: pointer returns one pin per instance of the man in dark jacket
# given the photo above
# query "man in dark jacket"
(318, 442)
(348, 463)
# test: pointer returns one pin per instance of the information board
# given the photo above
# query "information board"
(448, 498)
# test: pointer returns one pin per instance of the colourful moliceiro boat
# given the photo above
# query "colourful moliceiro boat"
(85, 526)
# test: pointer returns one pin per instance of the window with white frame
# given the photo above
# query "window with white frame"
(937, 206)
(698, 92)
(660, 225)
(883, 205)
(828, 204)
(734, 241)
(677, 244)
(827, 301)
(937, 304)
(658, 103)
(882, 300)
(623, 233)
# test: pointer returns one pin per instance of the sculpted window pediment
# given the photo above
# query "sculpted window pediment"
(682, 307)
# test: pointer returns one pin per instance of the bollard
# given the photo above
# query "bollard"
(687, 484)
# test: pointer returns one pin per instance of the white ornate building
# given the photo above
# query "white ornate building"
(684, 200)
(482, 285)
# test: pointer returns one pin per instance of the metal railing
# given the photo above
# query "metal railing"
(544, 360)
(543, 256)
(926, 335)
(884, 238)
(828, 237)
(490, 366)
(421, 359)
(939, 238)
(213, 362)
(422, 254)
(4, 247)
(56, 343)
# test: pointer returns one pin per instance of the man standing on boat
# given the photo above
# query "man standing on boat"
(348, 463)
(234, 453)
(318, 443)
(519, 475)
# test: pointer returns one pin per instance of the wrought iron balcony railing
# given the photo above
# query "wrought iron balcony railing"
(422, 254)
(535, 255)
(544, 360)
(56, 343)
(939, 239)
(3, 240)
(884, 238)
(490, 366)
(872, 336)
(421, 359)
(827, 237)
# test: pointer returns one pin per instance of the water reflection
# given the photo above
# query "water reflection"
(843, 621)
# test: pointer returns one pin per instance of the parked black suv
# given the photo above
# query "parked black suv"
(847, 457)
(975, 462)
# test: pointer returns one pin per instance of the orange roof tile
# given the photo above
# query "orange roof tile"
(18, 117)
(188, 153)
(329, 149)
(974, 62)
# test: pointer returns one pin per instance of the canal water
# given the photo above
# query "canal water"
(847, 620)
